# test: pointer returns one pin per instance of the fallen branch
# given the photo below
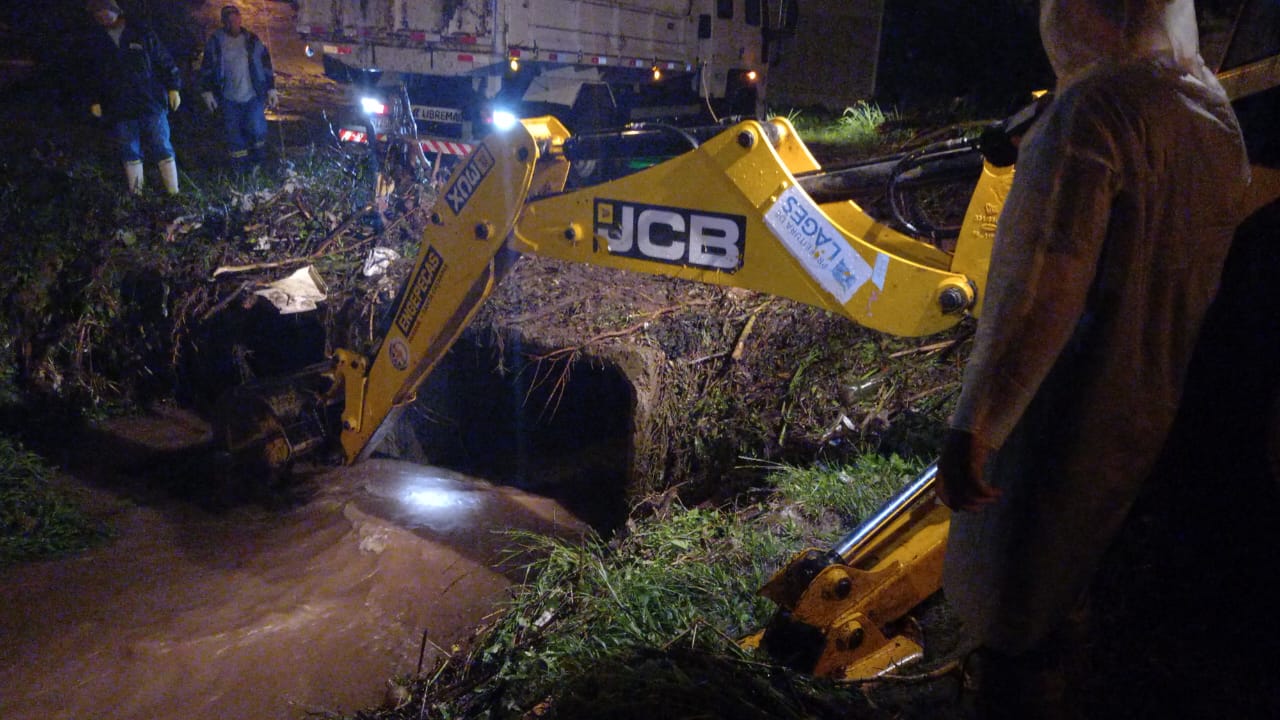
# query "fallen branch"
(950, 668)
(742, 338)
(224, 302)
(230, 269)
(924, 349)
(623, 332)
(319, 252)
(926, 393)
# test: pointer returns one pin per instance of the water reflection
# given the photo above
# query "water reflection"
(428, 498)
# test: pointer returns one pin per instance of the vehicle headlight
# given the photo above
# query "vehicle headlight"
(373, 106)
(504, 119)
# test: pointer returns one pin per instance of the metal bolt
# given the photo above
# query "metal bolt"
(747, 139)
(522, 154)
(571, 233)
(952, 299)
(436, 219)
(854, 639)
(482, 231)
(844, 586)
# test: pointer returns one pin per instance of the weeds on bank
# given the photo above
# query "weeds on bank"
(35, 520)
(852, 492)
(857, 126)
(649, 621)
(105, 289)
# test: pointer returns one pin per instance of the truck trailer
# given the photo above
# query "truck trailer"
(465, 65)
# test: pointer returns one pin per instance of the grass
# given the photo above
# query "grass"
(852, 492)
(858, 125)
(649, 621)
(36, 521)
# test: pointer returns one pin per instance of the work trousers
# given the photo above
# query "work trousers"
(246, 127)
(153, 129)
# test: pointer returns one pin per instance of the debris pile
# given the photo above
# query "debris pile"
(112, 296)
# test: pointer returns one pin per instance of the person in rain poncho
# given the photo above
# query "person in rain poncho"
(1127, 191)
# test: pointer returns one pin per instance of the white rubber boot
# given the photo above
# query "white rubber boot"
(169, 174)
(133, 176)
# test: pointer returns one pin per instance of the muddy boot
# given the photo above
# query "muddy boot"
(169, 174)
(133, 176)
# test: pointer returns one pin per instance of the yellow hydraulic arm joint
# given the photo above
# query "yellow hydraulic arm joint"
(841, 611)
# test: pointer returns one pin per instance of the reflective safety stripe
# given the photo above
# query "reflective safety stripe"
(446, 148)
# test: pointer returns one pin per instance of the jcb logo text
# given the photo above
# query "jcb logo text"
(672, 235)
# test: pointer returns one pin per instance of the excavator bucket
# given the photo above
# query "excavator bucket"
(263, 427)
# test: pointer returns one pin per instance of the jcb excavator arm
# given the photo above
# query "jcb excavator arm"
(731, 211)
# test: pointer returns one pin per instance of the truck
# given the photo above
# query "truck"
(467, 66)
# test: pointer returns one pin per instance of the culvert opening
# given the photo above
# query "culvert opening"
(563, 431)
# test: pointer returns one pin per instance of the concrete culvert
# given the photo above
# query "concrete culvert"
(557, 428)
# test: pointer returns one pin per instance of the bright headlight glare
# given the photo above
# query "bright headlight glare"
(503, 119)
(373, 106)
(309, 50)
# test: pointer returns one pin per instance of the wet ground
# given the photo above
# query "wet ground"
(253, 613)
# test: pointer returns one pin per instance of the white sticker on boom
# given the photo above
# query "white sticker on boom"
(829, 259)
(881, 270)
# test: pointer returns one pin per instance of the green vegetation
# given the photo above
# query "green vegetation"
(851, 492)
(858, 127)
(109, 295)
(646, 625)
(36, 521)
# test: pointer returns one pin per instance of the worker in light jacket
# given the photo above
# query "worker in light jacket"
(1108, 253)
(236, 76)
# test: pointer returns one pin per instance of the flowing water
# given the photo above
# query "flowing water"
(261, 614)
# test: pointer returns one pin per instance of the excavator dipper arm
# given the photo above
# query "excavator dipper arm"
(462, 257)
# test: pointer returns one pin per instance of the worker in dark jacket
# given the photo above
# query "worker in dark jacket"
(236, 74)
(134, 85)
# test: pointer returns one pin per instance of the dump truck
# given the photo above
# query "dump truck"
(468, 65)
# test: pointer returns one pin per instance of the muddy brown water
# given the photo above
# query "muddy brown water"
(255, 613)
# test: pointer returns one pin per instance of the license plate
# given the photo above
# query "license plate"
(436, 114)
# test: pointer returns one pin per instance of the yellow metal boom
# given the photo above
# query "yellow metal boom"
(729, 212)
